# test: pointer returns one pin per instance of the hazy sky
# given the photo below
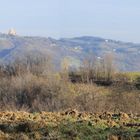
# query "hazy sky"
(116, 19)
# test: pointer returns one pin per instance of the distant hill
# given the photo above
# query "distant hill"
(127, 55)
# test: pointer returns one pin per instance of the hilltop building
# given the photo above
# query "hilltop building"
(12, 32)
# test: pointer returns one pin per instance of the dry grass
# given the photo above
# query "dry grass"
(38, 93)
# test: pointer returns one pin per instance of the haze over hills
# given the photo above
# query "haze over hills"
(127, 55)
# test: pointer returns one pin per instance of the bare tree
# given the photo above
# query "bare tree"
(109, 67)
(65, 69)
(88, 68)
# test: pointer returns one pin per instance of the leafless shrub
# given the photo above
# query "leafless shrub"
(34, 86)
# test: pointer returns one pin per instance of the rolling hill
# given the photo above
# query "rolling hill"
(127, 54)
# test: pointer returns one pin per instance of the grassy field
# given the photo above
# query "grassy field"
(69, 125)
(132, 75)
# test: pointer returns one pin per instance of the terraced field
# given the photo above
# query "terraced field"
(69, 125)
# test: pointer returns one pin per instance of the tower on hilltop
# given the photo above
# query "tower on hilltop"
(12, 32)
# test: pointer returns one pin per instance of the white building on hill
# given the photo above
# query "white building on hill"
(12, 32)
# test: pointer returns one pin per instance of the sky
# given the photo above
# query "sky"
(111, 19)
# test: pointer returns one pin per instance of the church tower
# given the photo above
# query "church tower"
(12, 32)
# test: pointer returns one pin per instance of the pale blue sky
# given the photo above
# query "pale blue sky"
(116, 19)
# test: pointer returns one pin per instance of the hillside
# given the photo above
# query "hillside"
(127, 55)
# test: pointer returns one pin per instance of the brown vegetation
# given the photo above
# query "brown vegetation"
(33, 85)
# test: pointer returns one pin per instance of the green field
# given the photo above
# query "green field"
(132, 75)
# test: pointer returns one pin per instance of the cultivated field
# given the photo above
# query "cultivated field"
(69, 125)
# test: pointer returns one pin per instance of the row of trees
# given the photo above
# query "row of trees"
(92, 70)
(37, 65)
(96, 70)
